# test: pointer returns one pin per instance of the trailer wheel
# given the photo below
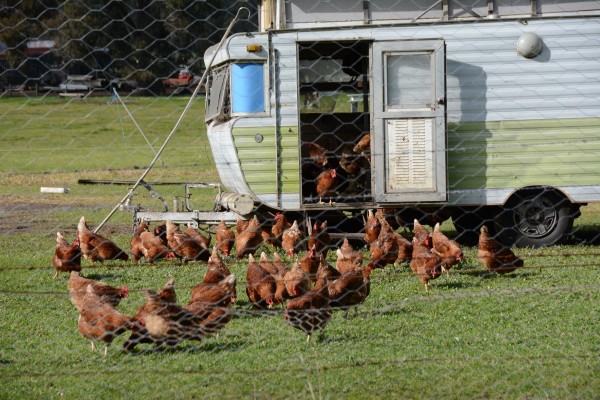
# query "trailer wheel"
(537, 217)
(468, 222)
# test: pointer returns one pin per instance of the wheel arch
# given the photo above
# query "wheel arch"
(513, 196)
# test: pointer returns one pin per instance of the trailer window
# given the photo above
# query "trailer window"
(408, 80)
(248, 88)
(217, 103)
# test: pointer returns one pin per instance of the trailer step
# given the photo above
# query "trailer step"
(192, 217)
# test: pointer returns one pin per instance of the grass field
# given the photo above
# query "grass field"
(533, 334)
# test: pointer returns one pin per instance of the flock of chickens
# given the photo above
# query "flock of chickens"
(308, 291)
(328, 175)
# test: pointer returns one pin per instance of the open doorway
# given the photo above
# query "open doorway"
(334, 117)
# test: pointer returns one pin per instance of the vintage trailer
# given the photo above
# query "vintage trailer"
(487, 112)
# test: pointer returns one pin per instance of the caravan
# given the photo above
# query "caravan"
(482, 113)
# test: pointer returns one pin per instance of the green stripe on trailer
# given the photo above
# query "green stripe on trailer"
(501, 154)
(258, 159)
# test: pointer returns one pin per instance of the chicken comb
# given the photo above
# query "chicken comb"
(124, 291)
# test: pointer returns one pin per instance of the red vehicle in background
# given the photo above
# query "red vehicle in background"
(184, 81)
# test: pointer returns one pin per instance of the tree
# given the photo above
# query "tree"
(132, 39)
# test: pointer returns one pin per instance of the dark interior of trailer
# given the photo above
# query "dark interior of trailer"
(334, 117)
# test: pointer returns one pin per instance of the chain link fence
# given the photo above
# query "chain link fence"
(359, 199)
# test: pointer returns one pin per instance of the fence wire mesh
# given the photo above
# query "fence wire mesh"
(381, 200)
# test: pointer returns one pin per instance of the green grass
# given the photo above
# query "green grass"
(532, 334)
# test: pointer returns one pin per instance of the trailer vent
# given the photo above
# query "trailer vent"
(409, 161)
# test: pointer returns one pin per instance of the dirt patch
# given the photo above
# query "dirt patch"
(25, 217)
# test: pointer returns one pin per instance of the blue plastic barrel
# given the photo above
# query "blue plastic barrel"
(247, 88)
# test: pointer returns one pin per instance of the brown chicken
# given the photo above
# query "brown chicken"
(495, 256)
(224, 239)
(277, 274)
(330, 272)
(267, 265)
(425, 264)
(216, 273)
(318, 154)
(281, 292)
(168, 323)
(372, 227)
(311, 311)
(213, 305)
(422, 234)
(347, 258)
(327, 183)
(153, 248)
(364, 145)
(260, 285)
(139, 333)
(221, 293)
(78, 285)
(96, 247)
(296, 281)
(248, 241)
(390, 215)
(160, 231)
(67, 257)
(350, 289)
(280, 225)
(363, 148)
(135, 244)
(267, 236)
(217, 269)
(99, 320)
(278, 262)
(204, 241)
(350, 161)
(384, 250)
(292, 239)
(449, 250)
(184, 246)
(241, 225)
(309, 263)
(164, 321)
(319, 237)
(167, 293)
(405, 248)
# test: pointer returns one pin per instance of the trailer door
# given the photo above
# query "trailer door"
(409, 112)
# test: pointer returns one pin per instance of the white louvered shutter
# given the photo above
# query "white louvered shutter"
(410, 158)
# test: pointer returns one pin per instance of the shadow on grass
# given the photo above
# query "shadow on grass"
(211, 345)
(327, 339)
(101, 277)
(245, 310)
(588, 234)
(519, 273)
(392, 310)
(454, 285)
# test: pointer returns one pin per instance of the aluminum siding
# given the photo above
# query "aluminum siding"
(488, 84)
